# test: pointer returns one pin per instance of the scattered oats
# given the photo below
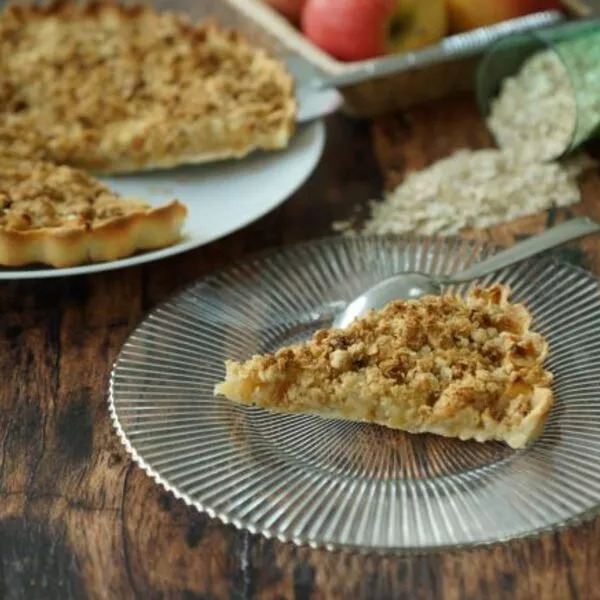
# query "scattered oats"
(472, 189)
(533, 120)
(342, 226)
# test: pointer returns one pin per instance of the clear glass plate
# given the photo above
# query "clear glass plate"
(339, 484)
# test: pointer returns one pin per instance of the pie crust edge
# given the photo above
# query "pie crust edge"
(245, 385)
(117, 238)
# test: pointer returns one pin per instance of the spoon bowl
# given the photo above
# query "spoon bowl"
(407, 286)
(413, 285)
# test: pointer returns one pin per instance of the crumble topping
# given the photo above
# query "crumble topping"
(35, 195)
(462, 367)
(102, 86)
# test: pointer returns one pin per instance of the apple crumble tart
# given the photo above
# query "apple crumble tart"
(113, 88)
(468, 367)
(62, 217)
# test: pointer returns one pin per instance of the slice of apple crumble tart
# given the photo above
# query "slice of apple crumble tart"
(62, 217)
(469, 368)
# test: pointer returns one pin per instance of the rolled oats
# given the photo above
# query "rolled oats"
(533, 120)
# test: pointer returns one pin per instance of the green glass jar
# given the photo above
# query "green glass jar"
(576, 44)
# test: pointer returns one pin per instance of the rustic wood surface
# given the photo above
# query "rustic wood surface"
(79, 520)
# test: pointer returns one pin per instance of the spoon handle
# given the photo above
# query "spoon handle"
(569, 230)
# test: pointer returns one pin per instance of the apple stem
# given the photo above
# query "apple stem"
(398, 24)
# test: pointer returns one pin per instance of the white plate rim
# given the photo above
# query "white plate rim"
(317, 129)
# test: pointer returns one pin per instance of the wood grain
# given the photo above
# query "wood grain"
(79, 520)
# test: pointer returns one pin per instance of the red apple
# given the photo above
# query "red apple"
(361, 29)
(288, 8)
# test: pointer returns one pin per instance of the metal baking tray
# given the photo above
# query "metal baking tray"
(393, 82)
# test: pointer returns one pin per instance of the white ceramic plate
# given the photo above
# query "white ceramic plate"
(221, 197)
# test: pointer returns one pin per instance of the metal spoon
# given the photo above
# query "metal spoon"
(412, 285)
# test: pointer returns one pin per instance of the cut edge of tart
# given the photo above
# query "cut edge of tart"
(63, 217)
(128, 88)
(468, 368)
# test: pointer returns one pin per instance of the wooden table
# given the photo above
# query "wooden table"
(79, 520)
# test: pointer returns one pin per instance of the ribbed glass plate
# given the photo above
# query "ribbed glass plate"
(338, 484)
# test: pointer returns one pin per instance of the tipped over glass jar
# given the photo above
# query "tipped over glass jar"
(540, 91)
